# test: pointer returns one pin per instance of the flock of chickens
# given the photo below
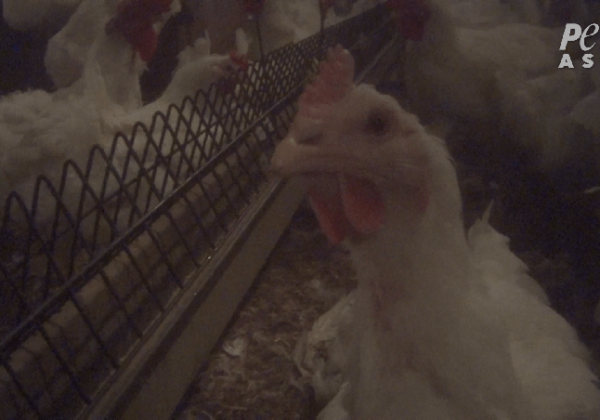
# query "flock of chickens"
(443, 325)
(96, 59)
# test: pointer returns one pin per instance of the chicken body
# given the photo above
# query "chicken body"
(451, 70)
(84, 40)
(40, 131)
(481, 13)
(45, 15)
(34, 137)
(196, 70)
(441, 332)
(537, 111)
(177, 129)
(586, 111)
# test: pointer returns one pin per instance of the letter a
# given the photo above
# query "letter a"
(565, 61)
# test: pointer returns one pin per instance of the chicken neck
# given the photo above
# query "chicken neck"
(422, 313)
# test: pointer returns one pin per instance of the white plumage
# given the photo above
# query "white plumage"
(447, 327)
(325, 352)
(83, 41)
(502, 79)
(182, 129)
(68, 50)
(45, 15)
(40, 131)
(450, 70)
(587, 110)
(538, 113)
(196, 70)
(481, 14)
(281, 22)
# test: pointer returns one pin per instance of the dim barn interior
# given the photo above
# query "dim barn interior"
(300, 209)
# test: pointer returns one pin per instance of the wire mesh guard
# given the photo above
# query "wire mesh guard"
(81, 291)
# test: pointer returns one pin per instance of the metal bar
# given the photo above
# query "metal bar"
(190, 187)
(21, 389)
(113, 403)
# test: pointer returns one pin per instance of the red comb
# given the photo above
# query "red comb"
(241, 60)
(334, 80)
(133, 19)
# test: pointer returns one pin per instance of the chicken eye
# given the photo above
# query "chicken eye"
(377, 124)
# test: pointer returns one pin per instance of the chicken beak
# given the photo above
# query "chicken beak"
(345, 205)
(298, 153)
(283, 157)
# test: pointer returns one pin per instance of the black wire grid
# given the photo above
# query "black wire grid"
(96, 260)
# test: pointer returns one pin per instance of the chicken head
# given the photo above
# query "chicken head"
(360, 151)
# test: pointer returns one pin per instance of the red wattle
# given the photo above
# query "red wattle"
(145, 42)
(363, 204)
(330, 217)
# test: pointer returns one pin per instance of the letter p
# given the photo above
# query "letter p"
(572, 33)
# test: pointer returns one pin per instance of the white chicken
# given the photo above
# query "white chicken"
(219, 19)
(586, 111)
(196, 70)
(110, 28)
(446, 327)
(323, 355)
(44, 15)
(180, 129)
(481, 13)
(283, 22)
(40, 131)
(538, 114)
(292, 21)
(280, 22)
(451, 70)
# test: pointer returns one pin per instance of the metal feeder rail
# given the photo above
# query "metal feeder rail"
(106, 265)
